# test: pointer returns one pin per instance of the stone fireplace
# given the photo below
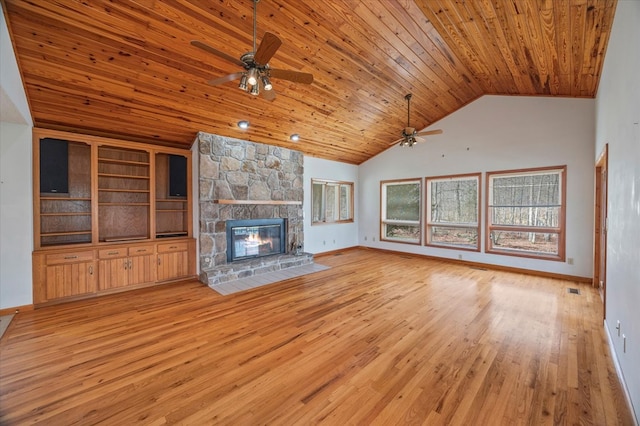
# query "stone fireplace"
(246, 181)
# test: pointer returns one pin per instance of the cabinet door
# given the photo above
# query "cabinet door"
(114, 273)
(59, 275)
(173, 265)
(69, 279)
(142, 269)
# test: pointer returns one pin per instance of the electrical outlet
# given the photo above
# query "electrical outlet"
(324, 243)
(459, 257)
(374, 239)
(365, 238)
(570, 260)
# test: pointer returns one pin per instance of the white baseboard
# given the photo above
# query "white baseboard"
(614, 357)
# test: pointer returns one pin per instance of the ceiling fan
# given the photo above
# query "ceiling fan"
(409, 134)
(257, 73)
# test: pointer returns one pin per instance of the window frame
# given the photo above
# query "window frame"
(383, 211)
(429, 225)
(337, 184)
(560, 230)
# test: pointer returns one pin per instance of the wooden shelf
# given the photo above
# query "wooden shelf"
(171, 200)
(170, 210)
(64, 198)
(266, 202)
(111, 175)
(126, 238)
(146, 191)
(126, 162)
(57, 234)
(67, 214)
(124, 204)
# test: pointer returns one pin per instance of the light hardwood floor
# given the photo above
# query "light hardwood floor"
(379, 338)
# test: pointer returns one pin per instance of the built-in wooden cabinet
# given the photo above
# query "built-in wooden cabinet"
(112, 215)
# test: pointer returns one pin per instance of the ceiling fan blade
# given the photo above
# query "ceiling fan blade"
(225, 79)
(268, 46)
(295, 76)
(218, 53)
(429, 132)
(396, 141)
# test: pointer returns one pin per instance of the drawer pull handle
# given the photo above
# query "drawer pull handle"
(141, 250)
(158, 260)
(71, 257)
(113, 253)
(173, 247)
(90, 270)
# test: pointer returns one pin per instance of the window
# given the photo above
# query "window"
(453, 211)
(526, 213)
(400, 201)
(331, 201)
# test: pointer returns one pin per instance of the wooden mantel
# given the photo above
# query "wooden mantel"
(273, 202)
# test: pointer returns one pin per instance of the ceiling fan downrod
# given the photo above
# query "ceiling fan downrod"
(409, 139)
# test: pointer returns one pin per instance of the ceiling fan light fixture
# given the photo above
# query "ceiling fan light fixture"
(243, 124)
(243, 83)
(255, 90)
(253, 77)
(266, 83)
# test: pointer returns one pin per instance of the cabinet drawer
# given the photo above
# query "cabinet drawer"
(140, 250)
(72, 257)
(112, 252)
(178, 246)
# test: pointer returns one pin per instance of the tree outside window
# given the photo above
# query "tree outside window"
(526, 213)
(453, 211)
(401, 200)
(331, 201)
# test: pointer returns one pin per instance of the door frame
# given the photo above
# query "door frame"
(600, 226)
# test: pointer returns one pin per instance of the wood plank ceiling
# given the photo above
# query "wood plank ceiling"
(126, 69)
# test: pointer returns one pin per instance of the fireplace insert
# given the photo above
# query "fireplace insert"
(255, 238)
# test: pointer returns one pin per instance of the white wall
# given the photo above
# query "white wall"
(498, 133)
(618, 124)
(16, 226)
(322, 238)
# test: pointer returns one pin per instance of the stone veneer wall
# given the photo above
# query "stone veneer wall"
(233, 169)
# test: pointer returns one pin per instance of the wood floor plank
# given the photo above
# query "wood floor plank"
(379, 338)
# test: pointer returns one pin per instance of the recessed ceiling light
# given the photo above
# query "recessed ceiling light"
(243, 124)
(295, 137)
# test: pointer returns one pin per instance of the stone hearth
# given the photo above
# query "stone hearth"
(246, 180)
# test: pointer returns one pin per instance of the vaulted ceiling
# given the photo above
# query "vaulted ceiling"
(127, 69)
